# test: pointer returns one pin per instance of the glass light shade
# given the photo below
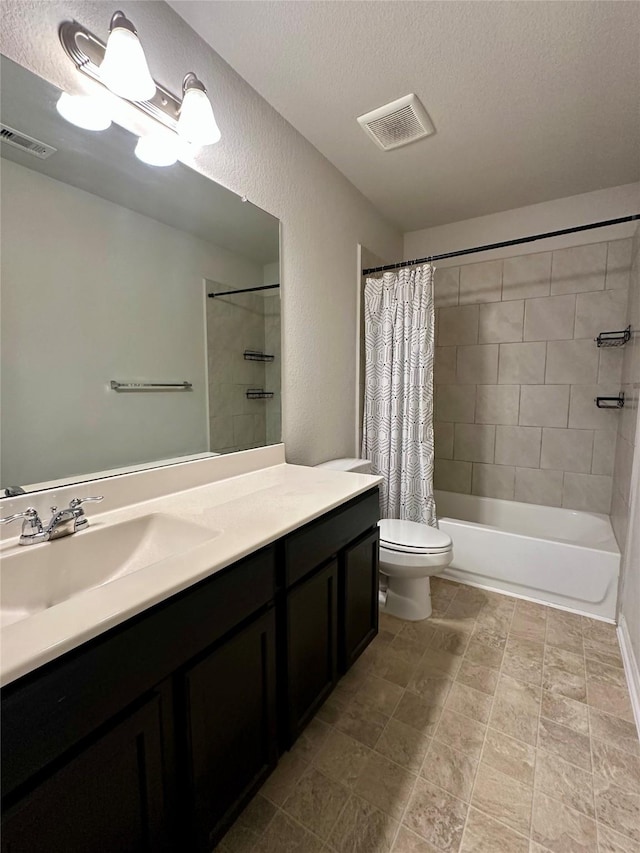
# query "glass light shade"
(124, 69)
(197, 123)
(158, 149)
(86, 111)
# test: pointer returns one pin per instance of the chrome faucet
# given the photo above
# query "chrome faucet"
(64, 522)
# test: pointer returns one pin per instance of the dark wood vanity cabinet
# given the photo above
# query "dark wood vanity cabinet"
(153, 736)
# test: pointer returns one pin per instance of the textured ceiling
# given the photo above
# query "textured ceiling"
(531, 100)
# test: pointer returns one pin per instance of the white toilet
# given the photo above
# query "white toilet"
(410, 553)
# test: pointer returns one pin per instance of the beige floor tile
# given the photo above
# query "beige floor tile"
(450, 770)
(477, 676)
(378, 695)
(315, 802)
(437, 662)
(502, 798)
(404, 745)
(311, 740)
(562, 683)
(391, 623)
(238, 839)
(362, 828)
(257, 814)
(524, 697)
(396, 668)
(568, 712)
(621, 733)
(385, 785)
(486, 655)
(482, 834)
(604, 654)
(409, 842)
(493, 623)
(561, 829)
(511, 757)
(433, 688)
(598, 671)
(451, 640)
(600, 632)
(436, 816)
(610, 841)
(511, 720)
(283, 835)
(469, 702)
(523, 668)
(566, 743)
(620, 768)
(342, 758)
(565, 660)
(283, 779)
(361, 722)
(617, 809)
(493, 639)
(461, 733)
(610, 699)
(564, 637)
(418, 712)
(532, 610)
(564, 782)
(528, 628)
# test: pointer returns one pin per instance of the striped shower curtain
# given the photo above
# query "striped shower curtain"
(397, 433)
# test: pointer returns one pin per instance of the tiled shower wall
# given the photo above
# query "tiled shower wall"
(517, 370)
(627, 439)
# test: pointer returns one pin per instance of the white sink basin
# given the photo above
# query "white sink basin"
(35, 577)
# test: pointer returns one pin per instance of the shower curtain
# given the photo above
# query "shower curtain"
(397, 432)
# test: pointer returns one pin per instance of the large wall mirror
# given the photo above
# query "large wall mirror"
(114, 355)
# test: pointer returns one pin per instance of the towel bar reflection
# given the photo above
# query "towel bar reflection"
(151, 386)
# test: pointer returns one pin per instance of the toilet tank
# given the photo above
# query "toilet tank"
(356, 466)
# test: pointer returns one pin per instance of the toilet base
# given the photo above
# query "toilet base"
(408, 598)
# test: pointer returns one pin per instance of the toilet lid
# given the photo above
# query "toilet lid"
(411, 537)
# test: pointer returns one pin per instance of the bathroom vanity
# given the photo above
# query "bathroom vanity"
(153, 734)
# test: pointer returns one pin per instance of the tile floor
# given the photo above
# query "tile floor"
(496, 726)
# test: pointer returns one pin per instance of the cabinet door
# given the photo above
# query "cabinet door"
(108, 797)
(311, 646)
(358, 597)
(230, 704)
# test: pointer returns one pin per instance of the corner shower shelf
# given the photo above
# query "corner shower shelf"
(254, 355)
(614, 339)
(259, 394)
(610, 402)
(150, 386)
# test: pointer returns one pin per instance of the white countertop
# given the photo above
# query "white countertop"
(249, 511)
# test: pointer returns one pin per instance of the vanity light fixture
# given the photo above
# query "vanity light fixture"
(121, 66)
(124, 69)
(84, 111)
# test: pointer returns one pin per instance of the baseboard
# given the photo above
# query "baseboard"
(631, 669)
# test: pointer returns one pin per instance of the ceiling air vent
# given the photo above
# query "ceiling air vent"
(26, 143)
(398, 123)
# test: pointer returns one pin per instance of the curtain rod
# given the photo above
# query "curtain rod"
(243, 290)
(502, 245)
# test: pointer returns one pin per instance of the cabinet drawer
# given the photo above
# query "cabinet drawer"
(318, 541)
(48, 711)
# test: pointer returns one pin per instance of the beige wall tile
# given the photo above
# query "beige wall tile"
(604, 451)
(571, 362)
(535, 486)
(579, 269)
(493, 481)
(452, 476)
(549, 319)
(610, 365)
(517, 445)
(445, 286)
(444, 366)
(443, 440)
(477, 364)
(526, 276)
(481, 282)
(455, 403)
(583, 412)
(600, 312)
(590, 492)
(544, 405)
(474, 442)
(501, 322)
(458, 325)
(522, 364)
(567, 450)
(618, 263)
(497, 404)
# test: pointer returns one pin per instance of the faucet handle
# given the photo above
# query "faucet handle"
(30, 516)
(76, 502)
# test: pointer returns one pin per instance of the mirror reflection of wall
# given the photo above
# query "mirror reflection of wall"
(103, 262)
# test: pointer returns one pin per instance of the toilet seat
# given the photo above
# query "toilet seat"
(410, 537)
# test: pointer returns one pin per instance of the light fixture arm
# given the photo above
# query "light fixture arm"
(119, 19)
(191, 82)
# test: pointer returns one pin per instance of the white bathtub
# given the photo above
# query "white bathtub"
(556, 556)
